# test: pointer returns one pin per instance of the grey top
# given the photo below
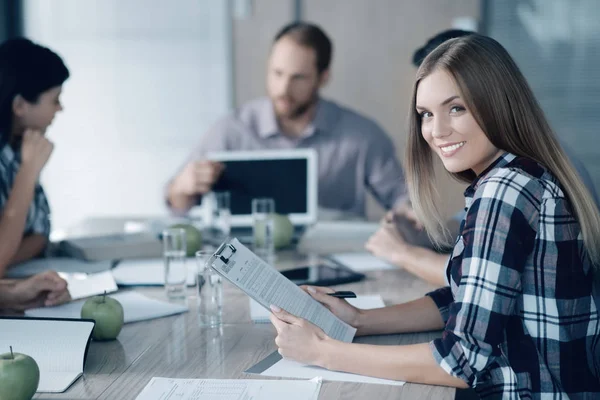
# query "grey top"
(354, 153)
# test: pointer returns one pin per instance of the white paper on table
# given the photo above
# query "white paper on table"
(81, 285)
(361, 262)
(260, 315)
(136, 307)
(57, 346)
(63, 264)
(148, 272)
(267, 286)
(292, 369)
(230, 389)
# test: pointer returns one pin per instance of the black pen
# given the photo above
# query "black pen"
(346, 294)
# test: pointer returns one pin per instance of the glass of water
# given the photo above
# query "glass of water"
(209, 286)
(222, 214)
(174, 251)
(262, 215)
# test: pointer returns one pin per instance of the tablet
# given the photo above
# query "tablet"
(287, 176)
(322, 275)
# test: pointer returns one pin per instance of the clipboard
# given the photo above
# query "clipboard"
(267, 286)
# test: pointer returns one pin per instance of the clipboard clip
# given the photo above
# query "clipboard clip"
(225, 252)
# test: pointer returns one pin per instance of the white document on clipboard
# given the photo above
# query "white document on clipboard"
(267, 286)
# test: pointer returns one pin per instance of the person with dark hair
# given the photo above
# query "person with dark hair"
(520, 317)
(392, 245)
(31, 79)
(354, 153)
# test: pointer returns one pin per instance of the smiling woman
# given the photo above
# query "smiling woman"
(526, 260)
(449, 129)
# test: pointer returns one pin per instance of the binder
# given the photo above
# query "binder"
(112, 247)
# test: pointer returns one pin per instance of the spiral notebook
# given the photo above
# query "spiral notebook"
(58, 346)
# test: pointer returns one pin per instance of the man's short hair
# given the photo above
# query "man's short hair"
(422, 52)
(309, 35)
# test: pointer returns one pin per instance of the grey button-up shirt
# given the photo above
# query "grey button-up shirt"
(354, 153)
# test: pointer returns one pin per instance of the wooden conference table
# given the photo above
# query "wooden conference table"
(179, 347)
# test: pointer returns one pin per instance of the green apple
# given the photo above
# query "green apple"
(283, 231)
(193, 238)
(108, 314)
(19, 376)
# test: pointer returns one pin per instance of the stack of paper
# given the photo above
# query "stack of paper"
(329, 236)
(261, 315)
(57, 346)
(82, 285)
(229, 389)
(148, 272)
(361, 262)
(136, 307)
(291, 369)
(62, 264)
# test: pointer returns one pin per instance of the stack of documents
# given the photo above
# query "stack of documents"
(361, 262)
(230, 389)
(82, 285)
(274, 365)
(328, 236)
(136, 307)
(58, 347)
(148, 272)
(61, 264)
(113, 247)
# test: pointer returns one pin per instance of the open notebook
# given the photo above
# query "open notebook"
(59, 346)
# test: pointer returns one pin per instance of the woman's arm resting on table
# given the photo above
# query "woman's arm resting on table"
(412, 363)
(302, 341)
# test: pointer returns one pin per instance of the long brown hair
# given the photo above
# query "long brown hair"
(502, 103)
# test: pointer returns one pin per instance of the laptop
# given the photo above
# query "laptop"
(290, 177)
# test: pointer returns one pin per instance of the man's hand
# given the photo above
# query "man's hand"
(35, 151)
(198, 177)
(45, 289)
(404, 210)
(387, 243)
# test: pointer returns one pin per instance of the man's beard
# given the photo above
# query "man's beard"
(300, 110)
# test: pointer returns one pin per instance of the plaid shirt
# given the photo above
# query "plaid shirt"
(521, 321)
(38, 217)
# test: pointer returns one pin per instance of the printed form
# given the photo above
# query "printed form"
(230, 389)
(268, 286)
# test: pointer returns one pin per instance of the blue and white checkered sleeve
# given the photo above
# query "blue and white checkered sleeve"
(497, 238)
(39, 214)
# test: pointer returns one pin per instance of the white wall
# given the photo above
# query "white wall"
(147, 78)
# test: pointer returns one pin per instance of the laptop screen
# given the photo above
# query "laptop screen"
(287, 176)
(284, 180)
